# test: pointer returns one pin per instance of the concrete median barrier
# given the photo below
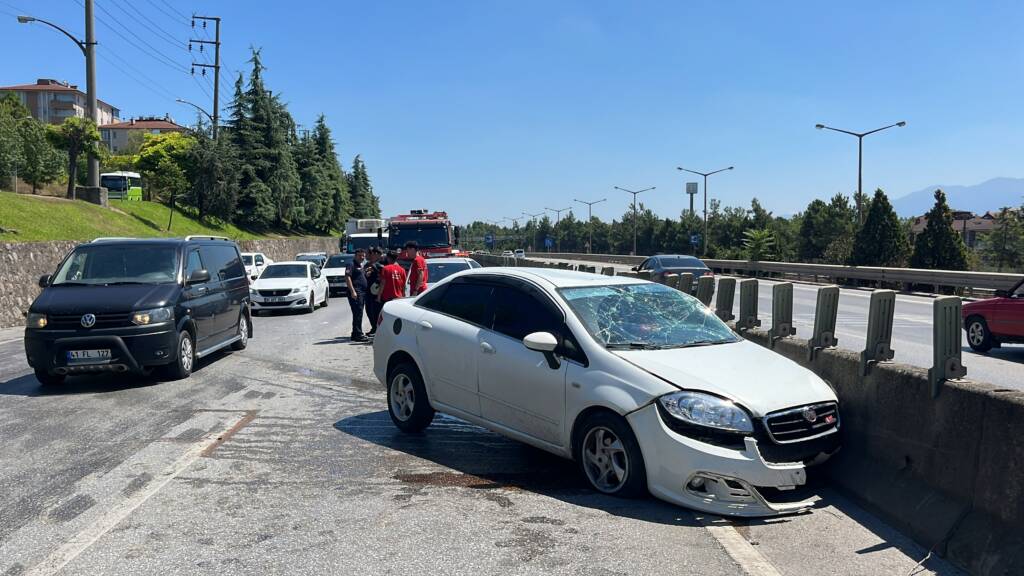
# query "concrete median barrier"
(949, 471)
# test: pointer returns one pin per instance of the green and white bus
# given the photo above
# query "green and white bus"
(122, 185)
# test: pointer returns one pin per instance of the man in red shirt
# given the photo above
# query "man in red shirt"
(392, 280)
(418, 270)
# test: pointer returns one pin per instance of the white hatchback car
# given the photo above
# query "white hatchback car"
(642, 385)
(255, 263)
(289, 286)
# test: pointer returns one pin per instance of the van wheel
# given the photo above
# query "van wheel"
(243, 331)
(47, 379)
(407, 399)
(979, 337)
(610, 456)
(185, 358)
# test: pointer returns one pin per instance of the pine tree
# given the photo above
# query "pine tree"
(364, 203)
(939, 247)
(880, 242)
(336, 182)
(215, 175)
(255, 207)
(1003, 247)
(41, 162)
(814, 233)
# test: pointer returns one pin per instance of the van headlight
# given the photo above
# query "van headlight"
(154, 316)
(702, 409)
(34, 320)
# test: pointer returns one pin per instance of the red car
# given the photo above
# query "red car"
(995, 321)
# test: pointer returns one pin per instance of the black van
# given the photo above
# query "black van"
(121, 304)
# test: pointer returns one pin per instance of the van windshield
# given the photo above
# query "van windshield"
(104, 264)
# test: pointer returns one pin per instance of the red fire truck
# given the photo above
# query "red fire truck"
(435, 234)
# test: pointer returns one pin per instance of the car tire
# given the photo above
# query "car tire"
(184, 358)
(312, 303)
(47, 379)
(979, 337)
(327, 297)
(243, 331)
(609, 456)
(407, 399)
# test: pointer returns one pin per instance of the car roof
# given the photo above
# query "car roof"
(554, 277)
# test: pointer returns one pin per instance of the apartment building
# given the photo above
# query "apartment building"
(52, 101)
(117, 135)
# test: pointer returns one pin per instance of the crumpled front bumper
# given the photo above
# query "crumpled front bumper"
(711, 478)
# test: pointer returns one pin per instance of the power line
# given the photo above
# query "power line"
(152, 52)
(170, 15)
(149, 84)
(175, 10)
(151, 26)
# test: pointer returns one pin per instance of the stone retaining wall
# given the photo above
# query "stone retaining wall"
(22, 263)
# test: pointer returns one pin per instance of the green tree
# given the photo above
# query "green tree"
(168, 181)
(1003, 247)
(881, 241)
(759, 244)
(41, 162)
(938, 246)
(215, 175)
(364, 203)
(814, 234)
(76, 136)
(173, 146)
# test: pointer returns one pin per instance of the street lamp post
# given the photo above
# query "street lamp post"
(533, 218)
(705, 175)
(590, 219)
(558, 218)
(860, 157)
(88, 48)
(197, 107)
(634, 193)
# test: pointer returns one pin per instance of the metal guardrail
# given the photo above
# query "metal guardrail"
(832, 273)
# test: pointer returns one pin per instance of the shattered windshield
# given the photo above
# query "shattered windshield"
(645, 316)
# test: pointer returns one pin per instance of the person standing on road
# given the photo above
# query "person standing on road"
(373, 281)
(393, 279)
(418, 270)
(356, 280)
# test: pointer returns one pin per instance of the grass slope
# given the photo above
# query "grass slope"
(38, 218)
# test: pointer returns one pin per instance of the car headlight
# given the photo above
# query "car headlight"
(154, 316)
(34, 320)
(706, 410)
(300, 289)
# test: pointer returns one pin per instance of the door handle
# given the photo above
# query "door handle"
(486, 348)
(200, 289)
(426, 325)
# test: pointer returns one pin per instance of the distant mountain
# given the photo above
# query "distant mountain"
(989, 195)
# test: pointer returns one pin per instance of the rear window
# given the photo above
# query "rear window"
(340, 261)
(680, 262)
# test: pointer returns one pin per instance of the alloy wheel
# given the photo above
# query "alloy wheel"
(976, 333)
(403, 397)
(243, 330)
(605, 460)
(186, 353)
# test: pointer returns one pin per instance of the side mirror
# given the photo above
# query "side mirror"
(44, 280)
(635, 268)
(999, 293)
(201, 276)
(541, 341)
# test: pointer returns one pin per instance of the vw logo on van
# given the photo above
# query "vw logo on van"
(88, 320)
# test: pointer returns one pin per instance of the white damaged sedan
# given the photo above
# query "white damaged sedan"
(640, 384)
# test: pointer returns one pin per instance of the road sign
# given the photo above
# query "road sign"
(691, 188)
(694, 239)
(489, 240)
(549, 242)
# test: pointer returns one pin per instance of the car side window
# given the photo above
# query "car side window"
(315, 271)
(466, 301)
(517, 314)
(259, 260)
(1019, 292)
(193, 263)
(646, 265)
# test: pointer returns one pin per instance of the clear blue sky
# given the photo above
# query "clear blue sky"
(488, 109)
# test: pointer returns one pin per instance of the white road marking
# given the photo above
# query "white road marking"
(80, 542)
(741, 551)
(2, 342)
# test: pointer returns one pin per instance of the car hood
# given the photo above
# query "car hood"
(333, 271)
(747, 373)
(981, 304)
(104, 299)
(279, 283)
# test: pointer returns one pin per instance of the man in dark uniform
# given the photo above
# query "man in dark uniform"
(356, 280)
(373, 280)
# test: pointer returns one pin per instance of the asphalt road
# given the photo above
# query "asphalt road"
(281, 459)
(911, 330)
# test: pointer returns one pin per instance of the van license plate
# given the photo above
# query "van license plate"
(88, 356)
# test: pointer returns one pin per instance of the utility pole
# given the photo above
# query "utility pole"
(215, 65)
(590, 220)
(634, 193)
(705, 175)
(558, 218)
(90, 87)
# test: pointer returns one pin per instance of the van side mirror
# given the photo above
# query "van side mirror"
(201, 276)
(44, 280)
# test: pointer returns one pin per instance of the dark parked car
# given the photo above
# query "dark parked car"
(663, 264)
(995, 321)
(120, 305)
